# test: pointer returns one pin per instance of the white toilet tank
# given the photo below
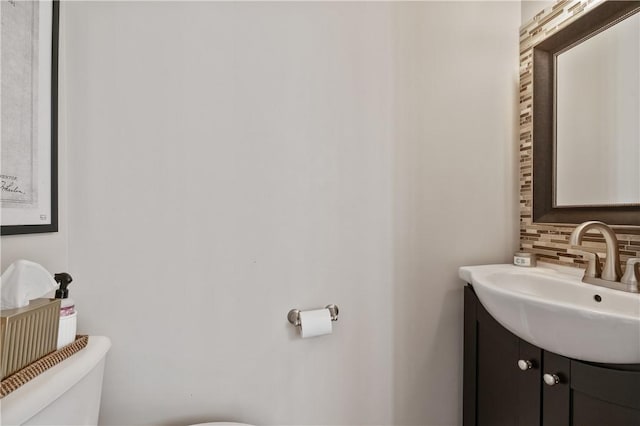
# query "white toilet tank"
(66, 394)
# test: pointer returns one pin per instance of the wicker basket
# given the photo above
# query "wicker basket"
(27, 334)
(34, 369)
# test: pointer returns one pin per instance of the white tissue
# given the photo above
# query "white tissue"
(24, 281)
(315, 323)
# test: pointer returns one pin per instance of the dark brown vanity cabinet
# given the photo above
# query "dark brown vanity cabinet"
(508, 381)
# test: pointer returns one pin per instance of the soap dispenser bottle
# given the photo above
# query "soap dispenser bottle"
(68, 314)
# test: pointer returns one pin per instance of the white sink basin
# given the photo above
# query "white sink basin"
(554, 310)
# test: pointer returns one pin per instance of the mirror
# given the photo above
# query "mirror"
(586, 119)
(597, 116)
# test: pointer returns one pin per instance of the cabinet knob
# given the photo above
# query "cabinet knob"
(551, 379)
(525, 365)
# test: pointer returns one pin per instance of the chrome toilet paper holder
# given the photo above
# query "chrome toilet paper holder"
(294, 315)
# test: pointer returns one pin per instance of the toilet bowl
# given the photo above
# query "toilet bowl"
(66, 394)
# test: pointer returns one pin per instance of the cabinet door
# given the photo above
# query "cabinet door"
(604, 396)
(498, 354)
(590, 395)
(529, 386)
(556, 398)
(496, 391)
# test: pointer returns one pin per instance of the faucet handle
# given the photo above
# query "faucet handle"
(594, 268)
(632, 273)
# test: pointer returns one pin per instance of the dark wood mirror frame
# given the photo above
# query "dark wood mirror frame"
(544, 211)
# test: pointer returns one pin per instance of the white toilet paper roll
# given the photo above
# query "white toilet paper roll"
(315, 323)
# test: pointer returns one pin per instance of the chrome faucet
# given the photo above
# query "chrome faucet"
(611, 274)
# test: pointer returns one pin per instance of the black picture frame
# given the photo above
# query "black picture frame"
(52, 224)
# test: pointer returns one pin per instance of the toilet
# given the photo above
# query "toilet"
(66, 394)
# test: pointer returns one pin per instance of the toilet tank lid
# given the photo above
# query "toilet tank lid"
(33, 396)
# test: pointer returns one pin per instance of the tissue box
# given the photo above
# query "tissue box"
(27, 334)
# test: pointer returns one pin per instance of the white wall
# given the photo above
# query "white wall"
(455, 188)
(231, 161)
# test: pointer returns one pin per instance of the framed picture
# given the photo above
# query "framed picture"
(29, 116)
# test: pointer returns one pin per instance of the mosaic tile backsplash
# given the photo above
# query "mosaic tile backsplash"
(550, 241)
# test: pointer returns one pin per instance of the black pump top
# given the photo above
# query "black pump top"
(64, 280)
